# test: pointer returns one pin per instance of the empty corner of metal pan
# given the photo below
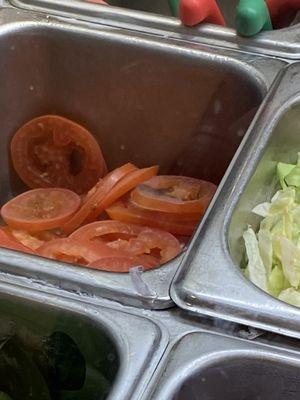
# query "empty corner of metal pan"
(113, 353)
(202, 364)
(210, 280)
(120, 59)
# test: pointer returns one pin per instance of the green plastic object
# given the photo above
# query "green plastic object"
(174, 6)
(253, 16)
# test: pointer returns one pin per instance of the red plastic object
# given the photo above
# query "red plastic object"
(283, 12)
(97, 2)
(194, 12)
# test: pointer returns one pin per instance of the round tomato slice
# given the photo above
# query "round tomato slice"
(130, 181)
(108, 190)
(52, 151)
(131, 239)
(107, 231)
(75, 251)
(124, 211)
(40, 209)
(33, 240)
(92, 203)
(160, 244)
(8, 242)
(174, 194)
(123, 263)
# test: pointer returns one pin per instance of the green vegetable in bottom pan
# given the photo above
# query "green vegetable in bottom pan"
(273, 252)
(20, 377)
(61, 363)
(96, 387)
(4, 396)
(52, 369)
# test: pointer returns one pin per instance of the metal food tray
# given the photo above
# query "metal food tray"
(88, 74)
(207, 366)
(283, 43)
(129, 346)
(210, 280)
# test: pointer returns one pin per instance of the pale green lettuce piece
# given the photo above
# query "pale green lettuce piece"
(291, 296)
(262, 209)
(265, 249)
(290, 260)
(293, 178)
(284, 200)
(277, 281)
(256, 269)
(283, 170)
(274, 252)
(289, 174)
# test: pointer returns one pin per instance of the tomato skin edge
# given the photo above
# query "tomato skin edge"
(35, 178)
(18, 221)
(119, 211)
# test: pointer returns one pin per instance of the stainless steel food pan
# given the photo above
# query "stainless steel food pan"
(145, 99)
(210, 280)
(203, 366)
(120, 351)
(147, 16)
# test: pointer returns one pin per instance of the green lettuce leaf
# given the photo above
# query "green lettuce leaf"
(284, 170)
(256, 269)
(4, 396)
(291, 296)
(277, 281)
(274, 251)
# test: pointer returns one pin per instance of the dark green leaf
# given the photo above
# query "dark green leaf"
(61, 363)
(20, 378)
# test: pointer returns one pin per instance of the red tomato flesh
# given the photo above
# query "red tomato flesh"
(174, 194)
(8, 242)
(124, 211)
(91, 206)
(75, 251)
(131, 239)
(52, 151)
(108, 190)
(33, 240)
(123, 263)
(40, 209)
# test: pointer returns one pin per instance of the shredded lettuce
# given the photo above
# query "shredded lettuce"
(273, 253)
(276, 281)
(291, 296)
(282, 171)
(256, 269)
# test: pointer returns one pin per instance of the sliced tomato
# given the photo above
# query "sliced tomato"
(123, 263)
(33, 240)
(75, 251)
(107, 231)
(113, 186)
(129, 182)
(124, 211)
(131, 239)
(160, 244)
(8, 242)
(52, 151)
(95, 196)
(40, 209)
(174, 194)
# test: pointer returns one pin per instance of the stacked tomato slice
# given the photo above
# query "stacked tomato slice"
(76, 212)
